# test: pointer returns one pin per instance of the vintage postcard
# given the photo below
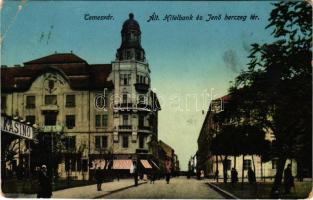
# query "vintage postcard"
(156, 99)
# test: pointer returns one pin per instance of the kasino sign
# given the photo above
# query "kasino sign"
(16, 128)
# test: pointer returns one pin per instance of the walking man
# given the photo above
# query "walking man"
(45, 188)
(251, 176)
(234, 176)
(98, 177)
(168, 170)
(288, 179)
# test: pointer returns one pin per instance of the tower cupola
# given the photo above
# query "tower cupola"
(130, 48)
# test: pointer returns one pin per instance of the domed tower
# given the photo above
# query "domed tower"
(132, 94)
(131, 41)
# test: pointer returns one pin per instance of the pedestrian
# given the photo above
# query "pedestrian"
(288, 179)
(234, 176)
(99, 178)
(202, 174)
(134, 171)
(45, 188)
(152, 177)
(216, 175)
(251, 176)
(168, 170)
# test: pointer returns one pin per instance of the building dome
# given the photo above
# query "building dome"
(130, 24)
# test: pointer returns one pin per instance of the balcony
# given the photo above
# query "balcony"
(125, 127)
(146, 129)
(143, 106)
(142, 151)
(142, 87)
(49, 107)
(52, 129)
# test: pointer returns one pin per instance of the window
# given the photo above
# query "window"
(125, 141)
(70, 143)
(50, 118)
(70, 101)
(124, 98)
(125, 120)
(70, 121)
(274, 163)
(30, 102)
(3, 102)
(246, 164)
(141, 121)
(141, 141)
(141, 99)
(102, 120)
(101, 142)
(98, 120)
(51, 99)
(125, 79)
(31, 119)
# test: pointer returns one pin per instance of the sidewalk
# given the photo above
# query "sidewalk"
(86, 192)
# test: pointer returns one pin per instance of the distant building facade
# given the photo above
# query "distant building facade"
(210, 163)
(166, 152)
(101, 109)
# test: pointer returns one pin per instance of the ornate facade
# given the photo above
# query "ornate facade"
(106, 113)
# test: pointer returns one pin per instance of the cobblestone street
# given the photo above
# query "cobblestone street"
(179, 188)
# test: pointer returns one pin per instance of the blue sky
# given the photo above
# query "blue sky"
(185, 57)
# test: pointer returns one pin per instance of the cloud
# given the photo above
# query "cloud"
(231, 60)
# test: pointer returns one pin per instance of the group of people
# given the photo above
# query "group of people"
(288, 178)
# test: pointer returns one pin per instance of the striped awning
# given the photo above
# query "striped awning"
(122, 164)
(145, 164)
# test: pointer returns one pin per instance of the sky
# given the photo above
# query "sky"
(191, 62)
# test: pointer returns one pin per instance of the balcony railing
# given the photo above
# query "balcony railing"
(52, 129)
(141, 87)
(145, 128)
(125, 127)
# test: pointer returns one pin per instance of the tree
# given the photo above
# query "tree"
(277, 85)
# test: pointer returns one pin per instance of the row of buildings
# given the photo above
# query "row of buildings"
(211, 164)
(103, 112)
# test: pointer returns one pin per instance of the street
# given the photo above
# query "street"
(179, 188)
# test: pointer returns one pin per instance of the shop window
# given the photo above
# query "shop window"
(246, 164)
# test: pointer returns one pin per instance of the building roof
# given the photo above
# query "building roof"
(57, 58)
(79, 74)
(166, 148)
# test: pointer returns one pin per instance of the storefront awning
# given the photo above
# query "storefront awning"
(122, 164)
(146, 164)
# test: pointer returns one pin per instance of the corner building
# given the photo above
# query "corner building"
(107, 114)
